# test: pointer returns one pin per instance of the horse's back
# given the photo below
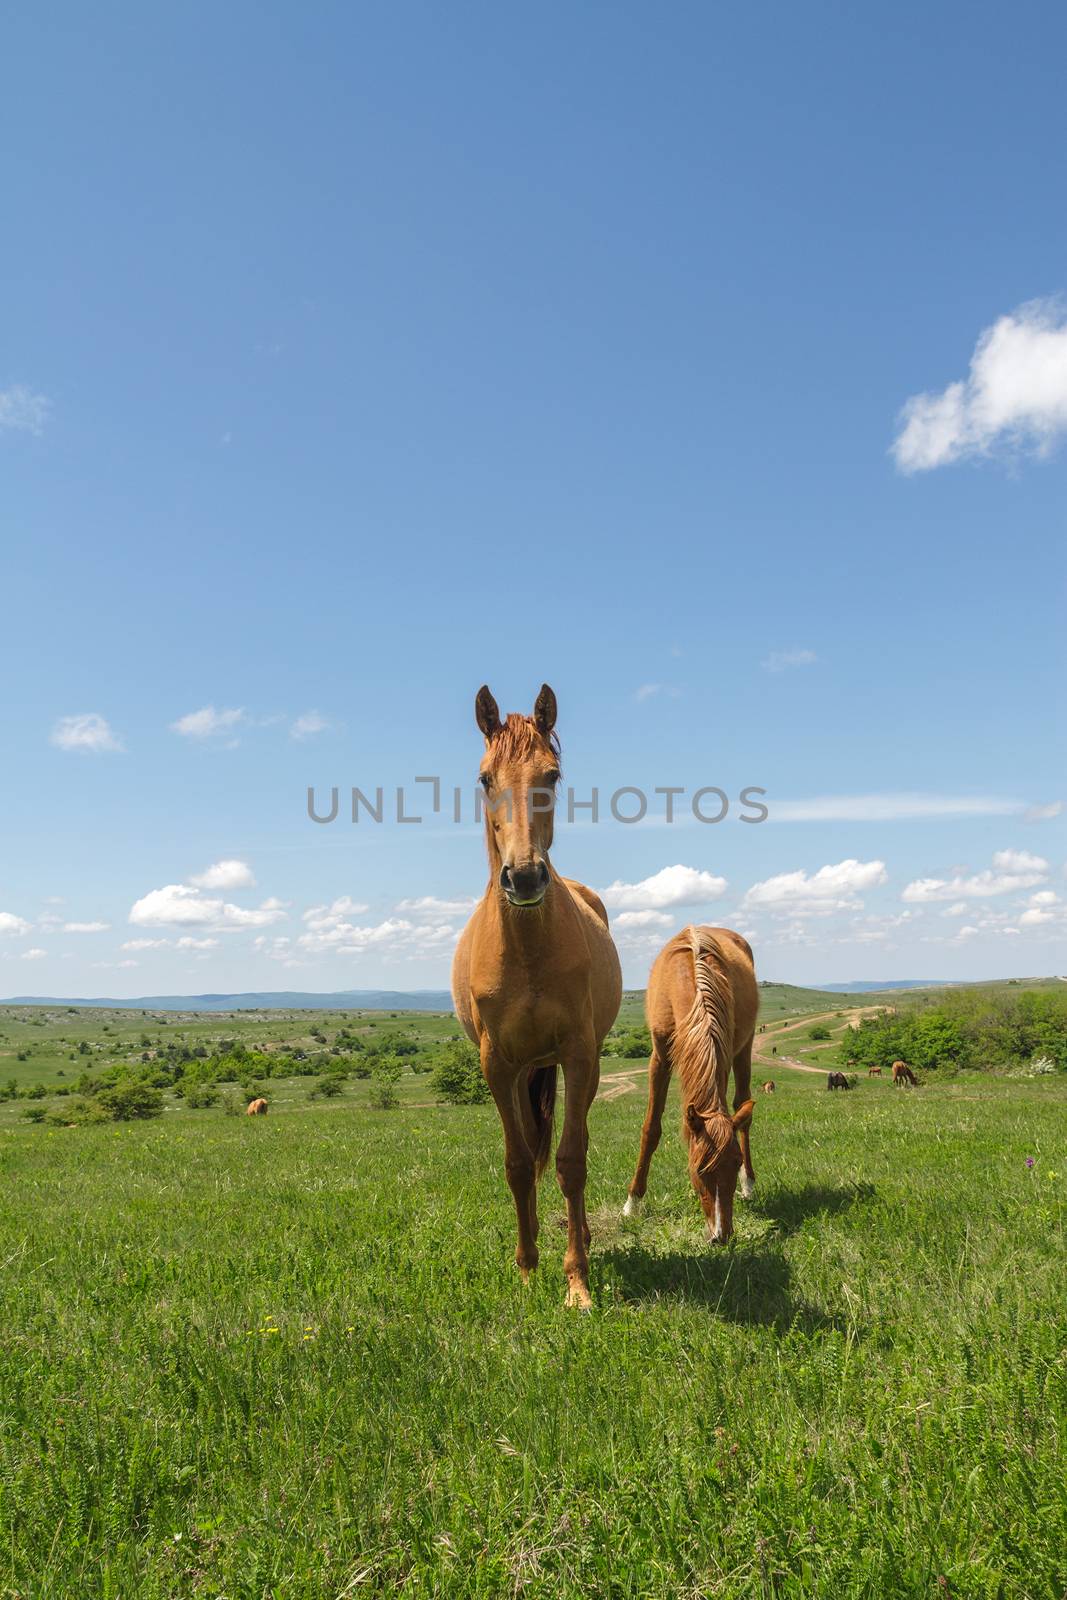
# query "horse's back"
(672, 983)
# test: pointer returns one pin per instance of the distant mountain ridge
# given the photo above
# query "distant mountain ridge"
(271, 1000)
(862, 987)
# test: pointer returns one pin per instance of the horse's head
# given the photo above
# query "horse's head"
(715, 1161)
(519, 773)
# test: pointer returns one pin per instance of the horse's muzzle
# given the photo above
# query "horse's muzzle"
(525, 885)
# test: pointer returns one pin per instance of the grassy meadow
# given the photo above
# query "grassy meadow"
(290, 1356)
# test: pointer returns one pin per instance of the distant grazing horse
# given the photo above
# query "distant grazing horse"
(874, 1072)
(701, 1006)
(768, 1087)
(837, 1080)
(903, 1076)
(536, 980)
(256, 1108)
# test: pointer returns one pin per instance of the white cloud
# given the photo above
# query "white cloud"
(334, 913)
(891, 807)
(180, 905)
(10, 924)
(208, 723)
(227, 874)
(428, 905)
(23, 411)
(87, 731)
(86, 927)
(1014, 395)
(783, 660)
(34, 955)
(1012, 870)
(187, 942)
(832, 888)
(395, 936)
(1043, 813)
(671, 886)
(307, 724)
(145, 944)
(643, 919)
(1035, 916)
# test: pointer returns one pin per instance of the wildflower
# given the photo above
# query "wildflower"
(1029, 1163)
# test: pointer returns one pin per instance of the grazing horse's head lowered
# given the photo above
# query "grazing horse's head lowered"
(518, 775)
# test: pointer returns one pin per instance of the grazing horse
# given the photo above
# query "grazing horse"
(768, 1087)
(256, 1108)
(903, 1076)
(837, 1080)
(874, 1072)
(701, 1007)
(536, 981)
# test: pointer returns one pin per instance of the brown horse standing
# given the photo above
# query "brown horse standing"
(874, 1072)
(256, 1108)
(903, 1077)
(701, 1007)
(535, 980)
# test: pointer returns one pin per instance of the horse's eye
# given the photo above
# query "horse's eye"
(485, 780)
(552, 777)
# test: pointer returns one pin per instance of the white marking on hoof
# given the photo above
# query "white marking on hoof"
(632, 1207)
(748, 1185)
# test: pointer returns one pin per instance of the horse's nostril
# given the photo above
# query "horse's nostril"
(505, 877)
(542, 872)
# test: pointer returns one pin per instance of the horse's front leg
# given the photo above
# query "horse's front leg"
(581, 1075)
(519, 1165)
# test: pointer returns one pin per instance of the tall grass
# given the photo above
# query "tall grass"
(290, 1357)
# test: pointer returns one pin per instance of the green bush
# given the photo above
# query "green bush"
(326, 1087)
(819, 1032)
(129, 1102)
(633, 1044)
(457, 1075)
(201, 1098)
(385, 1075)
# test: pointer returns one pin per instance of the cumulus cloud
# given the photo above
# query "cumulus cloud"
(832, 888)
(88, 731)
(145, 944)
(22, 411)
(783, 660)
(86, 927)
(227, 874)
(671, 886)
(12, 925)
(1015, 395)
(1012, 870)
(182, 905)
(208, 723)
(34, 955)
(307, 724)
(428, 905)
(187, 942)
(643, 919)
(327, 916)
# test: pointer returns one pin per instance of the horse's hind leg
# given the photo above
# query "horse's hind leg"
(659, 1079)
(742, 1088)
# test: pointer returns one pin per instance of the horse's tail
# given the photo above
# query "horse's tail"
(542, 1090)
(701, 1051)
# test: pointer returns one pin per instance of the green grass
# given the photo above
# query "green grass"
(866, 1397)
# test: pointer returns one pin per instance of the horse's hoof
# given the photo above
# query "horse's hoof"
(748, 1186)
(632, 1208)
(578, 1297)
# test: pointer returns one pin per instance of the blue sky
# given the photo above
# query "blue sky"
(708, 364)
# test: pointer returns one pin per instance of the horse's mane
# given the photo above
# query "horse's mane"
(518, 737)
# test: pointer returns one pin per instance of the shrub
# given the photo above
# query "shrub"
(35, 1113)
(199, 1099)
(457, 1075)
(819, 1032)
(633, 1045)
(385, 1075)
(327, 1087)
(128, 1102)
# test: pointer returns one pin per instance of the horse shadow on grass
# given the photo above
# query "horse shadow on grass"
(749, 1282)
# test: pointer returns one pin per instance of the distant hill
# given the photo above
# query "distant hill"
(891, 983)
(273, 1000)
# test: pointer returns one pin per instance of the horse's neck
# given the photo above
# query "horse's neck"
(527, 935)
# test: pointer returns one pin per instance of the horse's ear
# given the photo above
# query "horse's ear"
(695, 1120)
(545, 711)
(486, 711)
(742, 1117)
